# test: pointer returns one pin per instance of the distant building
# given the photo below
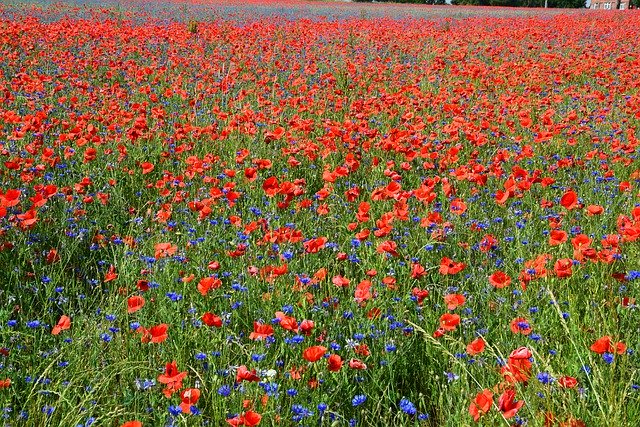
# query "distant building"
(610, 4)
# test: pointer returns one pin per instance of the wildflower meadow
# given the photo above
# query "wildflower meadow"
(319, 214)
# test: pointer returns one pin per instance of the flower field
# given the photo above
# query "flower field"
(318, 214)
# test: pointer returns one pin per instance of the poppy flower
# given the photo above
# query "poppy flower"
(481, 404)
(10, 198)
(508, 405)
(520, 325)
(569, 200)
(287, 322)
(518, 366)
(476, 346)
(134, 304)
(315, 353)
(249, 419)
(172, 379)
(562, 267)
(419, 294)
(363, 291)
(159, 333)
(449, 321)
(418, 271)
(312, 246)
(357, 364)
(260, 331)
(448, 266)
(243, 374)
(334, 363)
(593, 210)
(189, 398)
(163, 250)
(567, 382)
(306, 327)
(605, 345)
(454, 301)
(388, 246)
(146, 167)
(499, 280)
(6, 383)
(557, 237)
(206, 284)
(132, 424)
(110, 275)
(211, 319)
(341, 282)
(63, 324)
(458, 207)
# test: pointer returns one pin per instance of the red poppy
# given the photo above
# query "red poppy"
(567, 382)
(211, 319)
(569, 200)
(163, 250)
(306, 326)
(363, 291)
(314, 245)
(357, 364)
(243, 374)
(388, 246)
(208, 283)
(10, 198)
(159, 333)
(605, 345)
(63, 324)
(448, 266)
(315, 353)
(557, 237)
(508, 405)
(562, 267)
(189, 398)
(270, 186)
(481, 404)
(499, 280)
(458, 207)
(454, 301)
(134, 304)
(419, 294)
(476, 346)
(111, 274)
(172, 379)
(594, 210)
(334, 363)
(260, 331)
(287, 322)
(449, 321)
(146, 167)
(520, 325)
(341, 282)
(132, 424)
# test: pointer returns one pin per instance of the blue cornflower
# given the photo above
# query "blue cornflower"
(407, 406)
(224, 390)
(358, 400)
(33, 324)
(545, 378)
(608, 358)
(175, 410)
